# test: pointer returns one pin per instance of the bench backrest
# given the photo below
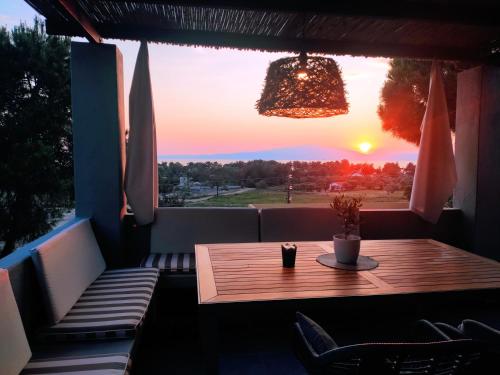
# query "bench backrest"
(15, 351)
(66, 265)
(298, 224)
(177, 230)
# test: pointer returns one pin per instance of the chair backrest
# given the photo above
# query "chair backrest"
(298, 224)
(178, 229)
(15, 351)
(447, 357)
(66, 265)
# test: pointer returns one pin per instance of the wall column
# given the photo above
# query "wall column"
(477, 150)
(99, 141)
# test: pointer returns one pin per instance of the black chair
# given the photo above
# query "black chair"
(481, 332)
(429, 351)
(488, 337)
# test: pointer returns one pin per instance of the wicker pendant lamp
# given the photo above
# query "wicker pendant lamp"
(303, 87)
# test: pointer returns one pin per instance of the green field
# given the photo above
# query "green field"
(272, 198)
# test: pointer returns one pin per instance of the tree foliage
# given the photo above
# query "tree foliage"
(306, 176)
(391, 169)
(35, 132)
(404, 96)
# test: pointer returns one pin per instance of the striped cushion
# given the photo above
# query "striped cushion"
(113, 306)
(110, 364)
(171, 263)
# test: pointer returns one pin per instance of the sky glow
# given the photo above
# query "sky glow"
(205, 100)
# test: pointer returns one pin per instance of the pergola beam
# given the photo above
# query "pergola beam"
(274, 44)
(73, 10)
(481, 12)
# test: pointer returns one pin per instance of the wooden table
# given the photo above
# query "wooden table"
(252, 272)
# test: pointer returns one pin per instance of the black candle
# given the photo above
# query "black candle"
(288, 252)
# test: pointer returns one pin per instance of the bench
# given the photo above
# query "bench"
(83, 300)
(16, 356)
(57, 289)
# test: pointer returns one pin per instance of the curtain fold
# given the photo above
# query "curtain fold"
(435, 174)
(141, 173)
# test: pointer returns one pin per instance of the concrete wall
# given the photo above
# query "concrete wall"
(99, 141)
(375, 225)
(477, 152)
(399, 224)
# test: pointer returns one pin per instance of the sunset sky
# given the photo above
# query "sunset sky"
(205, 100)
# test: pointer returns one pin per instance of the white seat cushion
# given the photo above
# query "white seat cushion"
(178, 263)
(15, 351)
(114, 306)
(104, 364)
(66, 265)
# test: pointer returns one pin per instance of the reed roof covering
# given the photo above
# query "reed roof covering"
(442, 29)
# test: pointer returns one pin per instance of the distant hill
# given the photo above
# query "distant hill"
(304, 153)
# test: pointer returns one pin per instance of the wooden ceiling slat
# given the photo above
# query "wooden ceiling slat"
(75, 11)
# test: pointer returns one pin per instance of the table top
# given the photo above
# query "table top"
(244, 272)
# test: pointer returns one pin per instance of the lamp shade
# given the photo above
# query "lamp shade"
(303, 87)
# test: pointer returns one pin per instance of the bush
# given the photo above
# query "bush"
(173, 200)
(261, 184)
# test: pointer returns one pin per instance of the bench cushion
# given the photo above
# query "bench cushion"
(107, 364)
(113, 306)
(15, 351)
(182, 263)
(66, 265)
(178, 229)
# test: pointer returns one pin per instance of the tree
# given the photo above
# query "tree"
(35, 133)
(391, 169)
(404, 96)
(367, 169)
(410, 169)
(391, 187)
(261, 184)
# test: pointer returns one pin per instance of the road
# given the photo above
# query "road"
(232, 192)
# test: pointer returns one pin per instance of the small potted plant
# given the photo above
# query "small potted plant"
(346, 244)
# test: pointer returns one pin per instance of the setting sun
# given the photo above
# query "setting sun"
(365, 147)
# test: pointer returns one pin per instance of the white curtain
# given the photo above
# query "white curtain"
(141, 174)
(435, 175)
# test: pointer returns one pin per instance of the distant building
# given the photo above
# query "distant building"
(196, 187)
(336, 186)
(183, 181)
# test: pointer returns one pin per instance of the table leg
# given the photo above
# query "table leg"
(209, 334)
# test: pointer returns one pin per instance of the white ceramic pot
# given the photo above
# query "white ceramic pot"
(346, 249)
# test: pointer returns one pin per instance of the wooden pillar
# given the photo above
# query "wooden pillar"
(477, 150)
(99, 141)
